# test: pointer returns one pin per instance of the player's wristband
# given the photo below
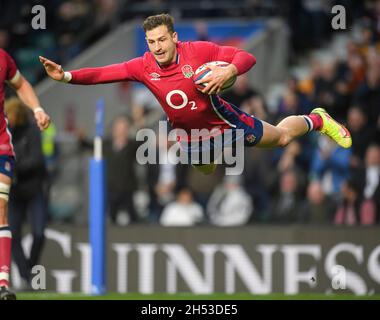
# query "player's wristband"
(67, 77)
(39, 109)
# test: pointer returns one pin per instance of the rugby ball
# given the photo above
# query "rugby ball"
(204, 71)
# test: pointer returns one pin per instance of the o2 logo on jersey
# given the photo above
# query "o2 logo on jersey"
(177, 99)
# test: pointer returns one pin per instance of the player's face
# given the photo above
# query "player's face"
(162, 44)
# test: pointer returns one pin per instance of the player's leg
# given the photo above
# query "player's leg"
(16, 217)
(5, 239)
(295, 126)
(282, 134)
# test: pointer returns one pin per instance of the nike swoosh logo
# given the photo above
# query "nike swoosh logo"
(344, 132)
(342, 129)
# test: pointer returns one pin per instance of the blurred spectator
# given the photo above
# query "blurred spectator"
(161, 178)
(372, 184)
(353, 70)
(289, 105)
(184, 211)
(107, 14)
(257, 177)
(73, 18)
(229, 204)
(295, 99)
(256, 106)
(368, 178)
(297, 155)
(330, 165)
(309, 21)
(289, 156)
(348, 212)
(368, 93)
(286, 201)
(318, 208)
(369, 26)
(27, 198)
(305, 105)
(317, 13)
(361, 193)
(330, 91)
(307, 84)
(360, 132)
(120, 157)
(138, 115)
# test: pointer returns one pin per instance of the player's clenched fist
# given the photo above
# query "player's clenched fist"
(42, 119)
(53, 69)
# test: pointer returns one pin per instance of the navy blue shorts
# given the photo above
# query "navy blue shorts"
(7, 164)
(243, 126)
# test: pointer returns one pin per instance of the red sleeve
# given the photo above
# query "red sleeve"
(129, 70)
(11, 66)
(240, 58)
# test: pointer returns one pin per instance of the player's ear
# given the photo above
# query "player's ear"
(175, 37)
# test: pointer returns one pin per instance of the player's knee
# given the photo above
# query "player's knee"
(4, 198)
(4, 193)
(3, 211)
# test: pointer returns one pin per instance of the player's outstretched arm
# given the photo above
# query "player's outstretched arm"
(28, 96)
(130, 70)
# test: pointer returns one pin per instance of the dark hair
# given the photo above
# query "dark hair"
(158, 20)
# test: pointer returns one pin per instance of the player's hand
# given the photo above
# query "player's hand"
(218, 77)
(53, 69)
(42, 119)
